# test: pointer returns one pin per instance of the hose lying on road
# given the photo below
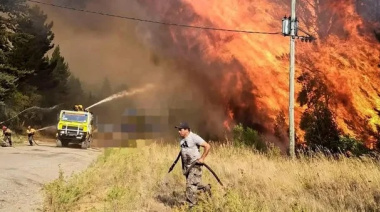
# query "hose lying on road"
(208, 167)
(35, 142)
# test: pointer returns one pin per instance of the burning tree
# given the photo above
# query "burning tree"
(317, 121)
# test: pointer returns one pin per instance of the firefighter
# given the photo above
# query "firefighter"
(30, 131)
(7, 133)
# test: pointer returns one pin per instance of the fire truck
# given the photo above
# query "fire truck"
(75, 126)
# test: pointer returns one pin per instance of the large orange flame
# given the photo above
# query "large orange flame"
(252, 69)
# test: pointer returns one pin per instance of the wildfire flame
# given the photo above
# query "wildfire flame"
(227, 123)
(250, 73)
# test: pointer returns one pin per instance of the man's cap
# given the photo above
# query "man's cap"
(183, 125)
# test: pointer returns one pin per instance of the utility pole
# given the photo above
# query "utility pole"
(290, 28)
(293, 30)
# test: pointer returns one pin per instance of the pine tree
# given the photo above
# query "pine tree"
(59, 77)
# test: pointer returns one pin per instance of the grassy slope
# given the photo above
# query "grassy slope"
(137, 180)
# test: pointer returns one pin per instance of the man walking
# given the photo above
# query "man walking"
(30, 131)
(190, 144)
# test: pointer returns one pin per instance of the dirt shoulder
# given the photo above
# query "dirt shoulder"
(25, 169)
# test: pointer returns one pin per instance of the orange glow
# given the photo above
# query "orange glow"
(346, 58)
(227, 123)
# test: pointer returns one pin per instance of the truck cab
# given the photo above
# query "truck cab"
(74, 127)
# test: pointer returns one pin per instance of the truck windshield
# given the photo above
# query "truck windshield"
(74, 117)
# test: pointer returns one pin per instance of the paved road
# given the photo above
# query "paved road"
(24, 170)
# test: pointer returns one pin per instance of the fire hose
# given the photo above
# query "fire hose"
(35, 142)
(192, 165)
(208, 167)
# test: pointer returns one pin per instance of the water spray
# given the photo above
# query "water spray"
(31, 108)
(122, 94)
(44, 128)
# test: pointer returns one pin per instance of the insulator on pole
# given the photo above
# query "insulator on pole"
(286, 26)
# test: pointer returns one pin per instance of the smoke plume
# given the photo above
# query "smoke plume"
(221, 78)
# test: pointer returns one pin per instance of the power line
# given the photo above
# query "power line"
(155, 22)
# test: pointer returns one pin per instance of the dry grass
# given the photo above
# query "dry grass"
(137, 180)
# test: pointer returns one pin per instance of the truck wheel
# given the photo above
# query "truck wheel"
(89, 142)
(84, 144)
(59, 143)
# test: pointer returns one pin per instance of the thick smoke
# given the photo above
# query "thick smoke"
(136, 53)
(175, 59)
(220, 85)
(99, 46)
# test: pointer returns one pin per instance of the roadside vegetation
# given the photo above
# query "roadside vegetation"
(136, 179)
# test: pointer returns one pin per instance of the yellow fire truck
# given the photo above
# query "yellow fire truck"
(74, 126)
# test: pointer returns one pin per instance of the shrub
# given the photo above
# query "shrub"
(248, 137)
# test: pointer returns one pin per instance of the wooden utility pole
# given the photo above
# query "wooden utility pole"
(293, 25)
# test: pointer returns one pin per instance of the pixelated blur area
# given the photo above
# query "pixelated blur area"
(137, 127)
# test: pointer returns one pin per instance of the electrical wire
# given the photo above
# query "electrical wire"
(155, 22)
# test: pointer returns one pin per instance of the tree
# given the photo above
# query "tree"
(12, 7)
(248, 137)
(7, 83)
(320, 127)
(28, 77)
(9, 74)
(317, 121)
(281, 127)
(59, 77)
(26, 41)
(30, 53)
